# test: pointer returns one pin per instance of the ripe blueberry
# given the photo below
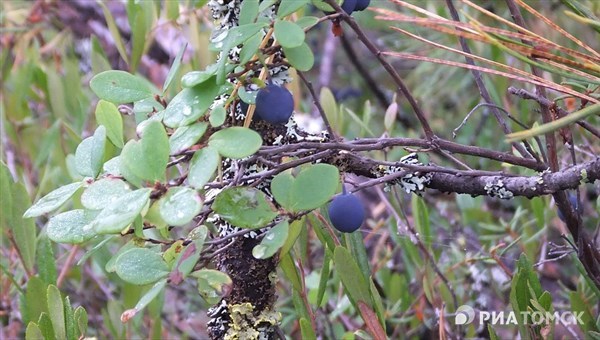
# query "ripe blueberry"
(362, 5)
(274, 104)
(573, 200)
(346, 213)
(349, 6)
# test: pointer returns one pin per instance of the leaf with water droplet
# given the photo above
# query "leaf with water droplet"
(141, 266)
(68, 227)
(179, 206)
(120, 213)
(103, 192)
(272, 241)
(190, 104)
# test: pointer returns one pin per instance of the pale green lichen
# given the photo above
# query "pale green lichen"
(584, 177)
(246, 326)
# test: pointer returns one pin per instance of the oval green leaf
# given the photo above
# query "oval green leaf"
(68, 227)
(301, 57)
(121, 213)
(289, 34)
(281, 188)
(119, 87)
(211, 284)
(190, 104)
(90, 152)
(108, 115)
(272, 241)
(314, 186)
(186, 136)
(202, 167)
(287, 7)
(141, 266)
(103, 192)
(148, 158)
(236, 142)
(179, 206)
(217, 116)
(244, 207)
(53, 200)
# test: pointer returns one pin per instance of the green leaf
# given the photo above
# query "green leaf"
(217, 116)
(139, 30)
(186, 136)
(421, 219)
(286, 264)
(235, 142)
(90, 152)
(46, 327)
(288, 34)
(248, 12)
(81, 320)
(351, 276)
(579, 304)
(15, 201)
(56, 312)
(236, 36)
(323, 278)
(53, 200)
(141, 266)
(244, 207)
(190, 104)
(293, 233)
(272, 241)
(69, 227)
(111, 265)
(211, 284)
(306, 328)
(121, 213)
(33, 332)
(555, 124)
(193, 78)
(287, 7)
(174, 67)
(109, 116)
(202, 167)
(248, 97)
(249, 49)
(103, 192)
(179, 206)
(312, 188)
(149, 296)
(301, 57)
(307, 21)
(45, 260)
(114, 31)
(147, 158)
(35, 299)
(119, 87)
(189, 256)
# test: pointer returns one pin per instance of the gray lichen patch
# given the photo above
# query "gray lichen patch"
(496, 188)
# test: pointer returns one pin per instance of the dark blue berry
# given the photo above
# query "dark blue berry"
(349, 6)
(274, 104)
(361, 5)
(346, 213)
(573, 200)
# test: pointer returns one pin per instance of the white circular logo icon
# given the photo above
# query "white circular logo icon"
(464, 315)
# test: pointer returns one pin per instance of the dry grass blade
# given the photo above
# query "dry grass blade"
(548, 85)
(556, 27)
(514, 70)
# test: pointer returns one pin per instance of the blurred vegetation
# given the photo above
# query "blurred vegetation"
(47, 109)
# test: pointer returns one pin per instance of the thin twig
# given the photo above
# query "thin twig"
(317, 103)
